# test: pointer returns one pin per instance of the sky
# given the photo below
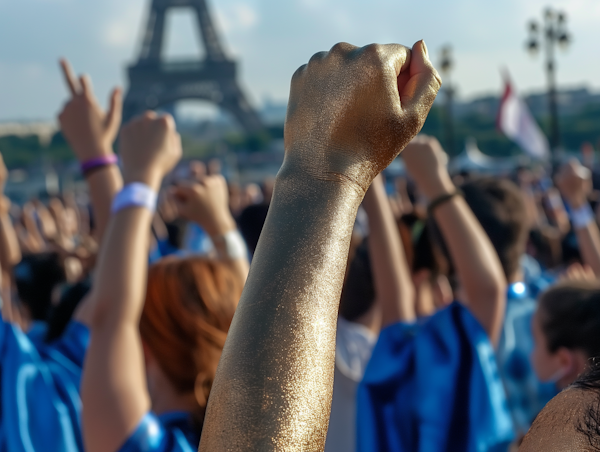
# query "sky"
(271, 38)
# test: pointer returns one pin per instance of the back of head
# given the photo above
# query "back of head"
(499, 207)
(251, 222)
(189, 307)
(570, 316)
(36, 276)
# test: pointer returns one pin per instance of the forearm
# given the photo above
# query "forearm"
(103, 184)
(588, 238)
(393, 283)
(119, 286)
(276, 371)
(475, 259)
(10, 252)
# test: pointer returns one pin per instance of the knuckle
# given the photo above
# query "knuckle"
(317, 57)
(299, 72)
(341, 48)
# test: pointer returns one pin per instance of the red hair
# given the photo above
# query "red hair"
(189, 307)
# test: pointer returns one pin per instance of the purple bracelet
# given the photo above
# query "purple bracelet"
(98, 162)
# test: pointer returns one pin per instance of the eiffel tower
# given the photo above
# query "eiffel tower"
(154, 83)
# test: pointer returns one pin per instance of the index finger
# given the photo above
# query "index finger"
(70, 78)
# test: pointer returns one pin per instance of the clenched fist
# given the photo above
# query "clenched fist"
(150, 147)
(89, 130)
(205, 202)
(352, 110)
(575, 183)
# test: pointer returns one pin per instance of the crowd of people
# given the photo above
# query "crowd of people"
(333, 308)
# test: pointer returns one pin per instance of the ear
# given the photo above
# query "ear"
(566, 359)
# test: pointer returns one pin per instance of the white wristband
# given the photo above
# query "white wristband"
(135, 195)
(582, 217)
(235, 247)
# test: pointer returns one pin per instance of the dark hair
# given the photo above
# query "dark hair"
(589, 423)
(251, 222)
(570, 316)
(358, 294)
(35, 277)
(499, 207)
(63, 312)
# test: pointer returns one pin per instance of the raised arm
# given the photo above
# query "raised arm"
(394, 290)
(113, 392)
(351, 111)
(91, 133)
(575, 183)
(206, 203)
(10, 252)
(477, 264)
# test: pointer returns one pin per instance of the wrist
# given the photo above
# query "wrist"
(152, 179)
(296, 183)
(220, 226)
(437, 187)
(576, 202)
(90, 152)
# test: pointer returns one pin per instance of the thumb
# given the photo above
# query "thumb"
(421, 88)
(115, 110)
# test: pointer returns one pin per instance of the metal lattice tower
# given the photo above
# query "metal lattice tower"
(154, 82)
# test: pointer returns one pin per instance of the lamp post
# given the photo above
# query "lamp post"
(446, 65)
(552, 33)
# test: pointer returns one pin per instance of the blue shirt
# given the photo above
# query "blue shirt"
(171, 432)
(39, 391)
(526, 394)
(433, 387)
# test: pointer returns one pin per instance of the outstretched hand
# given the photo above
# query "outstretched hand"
(206, 203)
(150, 147)
(575, 183)
(89, 130)
(352, 110)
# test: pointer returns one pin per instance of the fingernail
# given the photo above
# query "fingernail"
(425, 48)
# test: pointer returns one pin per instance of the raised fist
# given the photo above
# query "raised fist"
(89, 130)
(150, 147)
(206, 203)
(352, 110)
(426, 162)
(575, 183)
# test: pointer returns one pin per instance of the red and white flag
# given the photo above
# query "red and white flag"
(517, 123)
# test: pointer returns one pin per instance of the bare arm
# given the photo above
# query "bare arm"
(393, 282)
(91, 133)
(350, 113)
(114, 393)
(477, 264)
(575, 184)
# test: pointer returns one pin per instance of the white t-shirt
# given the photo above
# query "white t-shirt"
(354, 345)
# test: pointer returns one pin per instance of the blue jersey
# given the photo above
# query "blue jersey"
(40, 399)
(433, 387)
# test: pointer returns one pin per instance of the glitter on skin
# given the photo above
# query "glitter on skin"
(351, 111)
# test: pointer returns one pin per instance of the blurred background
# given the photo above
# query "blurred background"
(546, 49)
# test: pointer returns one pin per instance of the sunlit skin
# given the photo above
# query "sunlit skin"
(351, 111)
